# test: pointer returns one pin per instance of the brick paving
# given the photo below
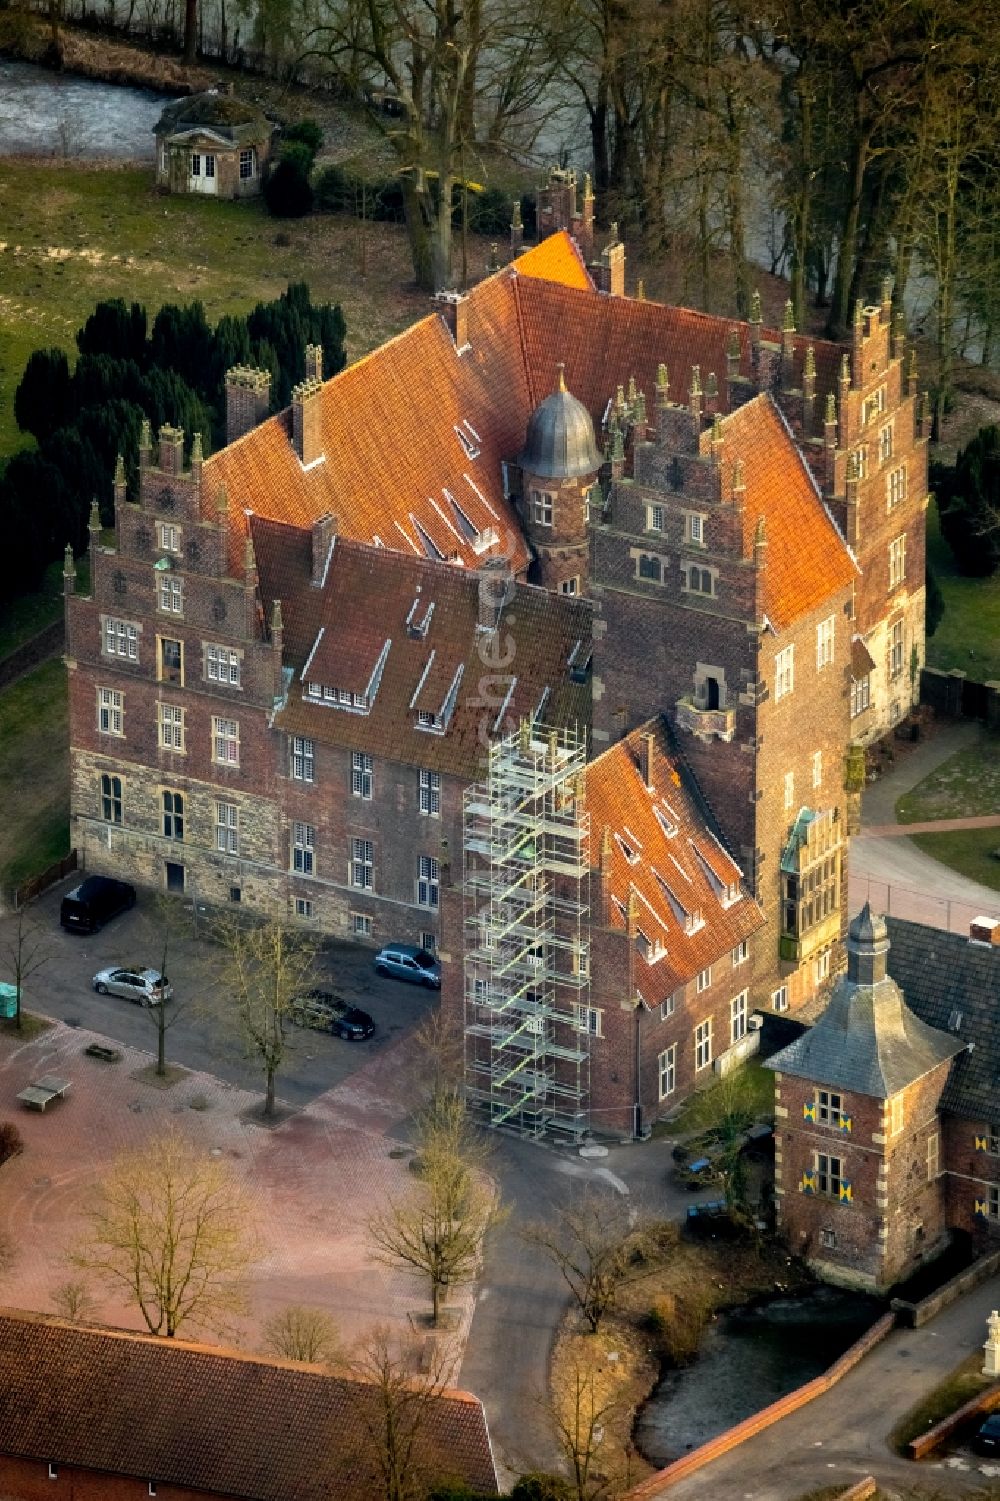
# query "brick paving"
(313, 1180)
(933, 826)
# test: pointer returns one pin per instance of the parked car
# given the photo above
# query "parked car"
(147, 986)
(404, 961)
(987, 1440)
(94, 902)
(326, 1012)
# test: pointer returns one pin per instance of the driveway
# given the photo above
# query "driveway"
(198, 1035)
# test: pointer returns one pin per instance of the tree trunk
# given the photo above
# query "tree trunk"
(734, 206)
(417, 232)
(435, 1301)
(838, 321)
(161, 1043)
(190, 30)
(269, 1094)
(802, 206)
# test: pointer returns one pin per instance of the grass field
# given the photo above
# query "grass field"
(34, 773)
(965, 785)
(969, 634)
(71, 236)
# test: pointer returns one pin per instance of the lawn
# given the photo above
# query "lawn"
(966, 785)
(22, 618)
(34, 773)
(972, 852)
(969, 634)
(965, 1382)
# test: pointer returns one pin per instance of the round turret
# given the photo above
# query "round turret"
(560, 443)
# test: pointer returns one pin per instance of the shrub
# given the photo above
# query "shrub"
(490, 211)
(538, 1486)
(934, 607)
(969, 504)
(308, 132)
(287, 191)
(11, 1142)
(340, 191)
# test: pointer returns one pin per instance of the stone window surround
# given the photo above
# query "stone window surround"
(702, 672)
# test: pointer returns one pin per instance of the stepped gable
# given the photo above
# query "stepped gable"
(954, 985)
(335, 637)
(663, 850)
(868, 1040)
(807, 557)
(215, 1420)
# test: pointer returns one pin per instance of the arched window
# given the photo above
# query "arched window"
(649, 568)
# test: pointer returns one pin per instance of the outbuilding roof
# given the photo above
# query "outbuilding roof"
(223, 115)
(207, 1419)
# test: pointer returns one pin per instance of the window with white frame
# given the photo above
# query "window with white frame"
(933, 1156)
(590, 1019)
(171, 594)
(246, 164)
(861, 461)
(169, 536)
(822, 967)
(225, 741)
(828, 1240)
(789, 793)
(430, 793)
(897, 561)
(667, 1068)
(741, 953)
(824, 642)
(668, 1006)
(361, 924)
(738, 1008)
(654, 518)
(873, 406)
(227, 828)
(196, 164)
(110, 711)
(704, 980)
(111, 797)
(303, 848)
(895, 487)
(861, 695)
(170, 720)
(222, 665)
(829, 1174)
(303, 759)
(784, 672)
(173, 814)
(896, 649)
(209, 165)
(581, 961)
(570, 586)
(817, 769)
(541, 508)
(428, 877)
(830, 1108)
(885, 443)
(362, 864)
(303, 906)
(703, 1044)
(362, 776)
(779, 998)
(428, 942)
(694, 527)
(121, 639)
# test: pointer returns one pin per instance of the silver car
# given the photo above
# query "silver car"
(146, 986)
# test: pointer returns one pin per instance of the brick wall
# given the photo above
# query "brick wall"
(971, 1169)
(29, 1480)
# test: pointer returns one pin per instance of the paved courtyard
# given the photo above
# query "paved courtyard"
(313, 1180)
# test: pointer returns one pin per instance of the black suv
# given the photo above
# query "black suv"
(325, 1012)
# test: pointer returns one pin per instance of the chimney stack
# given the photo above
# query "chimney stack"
(496, 588)
(646, 760)
(324, 532)
(307, 433)
(248, 399)
(170, 455)
(314, 362)
(454, 309)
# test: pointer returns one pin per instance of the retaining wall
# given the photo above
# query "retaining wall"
(913, 1315)
(926, 1443)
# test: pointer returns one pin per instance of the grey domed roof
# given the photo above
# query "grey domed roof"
(219, 112)
(560, 442)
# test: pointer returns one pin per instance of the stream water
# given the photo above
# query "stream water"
(54, 114)
(748, 1358)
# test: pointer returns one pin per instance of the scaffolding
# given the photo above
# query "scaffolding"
(527, 934)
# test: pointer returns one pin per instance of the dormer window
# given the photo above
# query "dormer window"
(469, 439)
(417, 624)
(630, 851)
(428, 721)
(667, 819)
(430, 547)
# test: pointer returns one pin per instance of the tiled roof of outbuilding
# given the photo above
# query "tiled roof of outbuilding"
(955, 985)
(665, 852)
(369, 595)
(212, 1420)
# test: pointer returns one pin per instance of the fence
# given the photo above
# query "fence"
(916, 906)
(956, 696)
(38, 884)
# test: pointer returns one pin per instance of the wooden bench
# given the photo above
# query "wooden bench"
(44, 1090)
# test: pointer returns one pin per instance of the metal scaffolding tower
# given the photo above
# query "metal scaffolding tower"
(527, 934)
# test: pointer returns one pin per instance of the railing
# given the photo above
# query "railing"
(705, 724)
(30, 889)
(917, 906)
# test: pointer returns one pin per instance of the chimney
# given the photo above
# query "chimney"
(324, 532)
(756, 321)
(851, 497)
(314, 362)
(609, 271)
(496, 588)
(277, 643)
(222, 521)
(248, 399)
(830, 445)
(787, 346)
(454, 309)
(251, 581)
(808, 391)
(307, 434)
(646, 760)
(145, 444)
(170, 456)
(694, 396)
(985, 930)
(119, 489)
(516, 230)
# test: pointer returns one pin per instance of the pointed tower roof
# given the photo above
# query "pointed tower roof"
(867, 1041)
(560, 443)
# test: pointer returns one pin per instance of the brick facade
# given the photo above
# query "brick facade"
(31, 1480)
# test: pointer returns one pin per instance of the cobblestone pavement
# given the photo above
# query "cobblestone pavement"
(313, 1180)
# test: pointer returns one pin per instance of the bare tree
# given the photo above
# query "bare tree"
(74, 1302)
(171, 916)
(599, 1246)
(437, 1056)
(580, 1414)
(24, 953)
(266, 966)
(393, 1396)
(298, 1333)
(171, 1228)
(439, 1229)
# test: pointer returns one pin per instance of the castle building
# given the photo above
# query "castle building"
(546, 502)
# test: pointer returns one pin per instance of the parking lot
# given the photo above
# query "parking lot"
(202, 1028)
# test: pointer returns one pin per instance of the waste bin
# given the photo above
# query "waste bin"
(8, 1000)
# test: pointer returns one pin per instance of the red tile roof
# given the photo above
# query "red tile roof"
(807, 558)
(666, 855)
(212, 1420)
(368, 598)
